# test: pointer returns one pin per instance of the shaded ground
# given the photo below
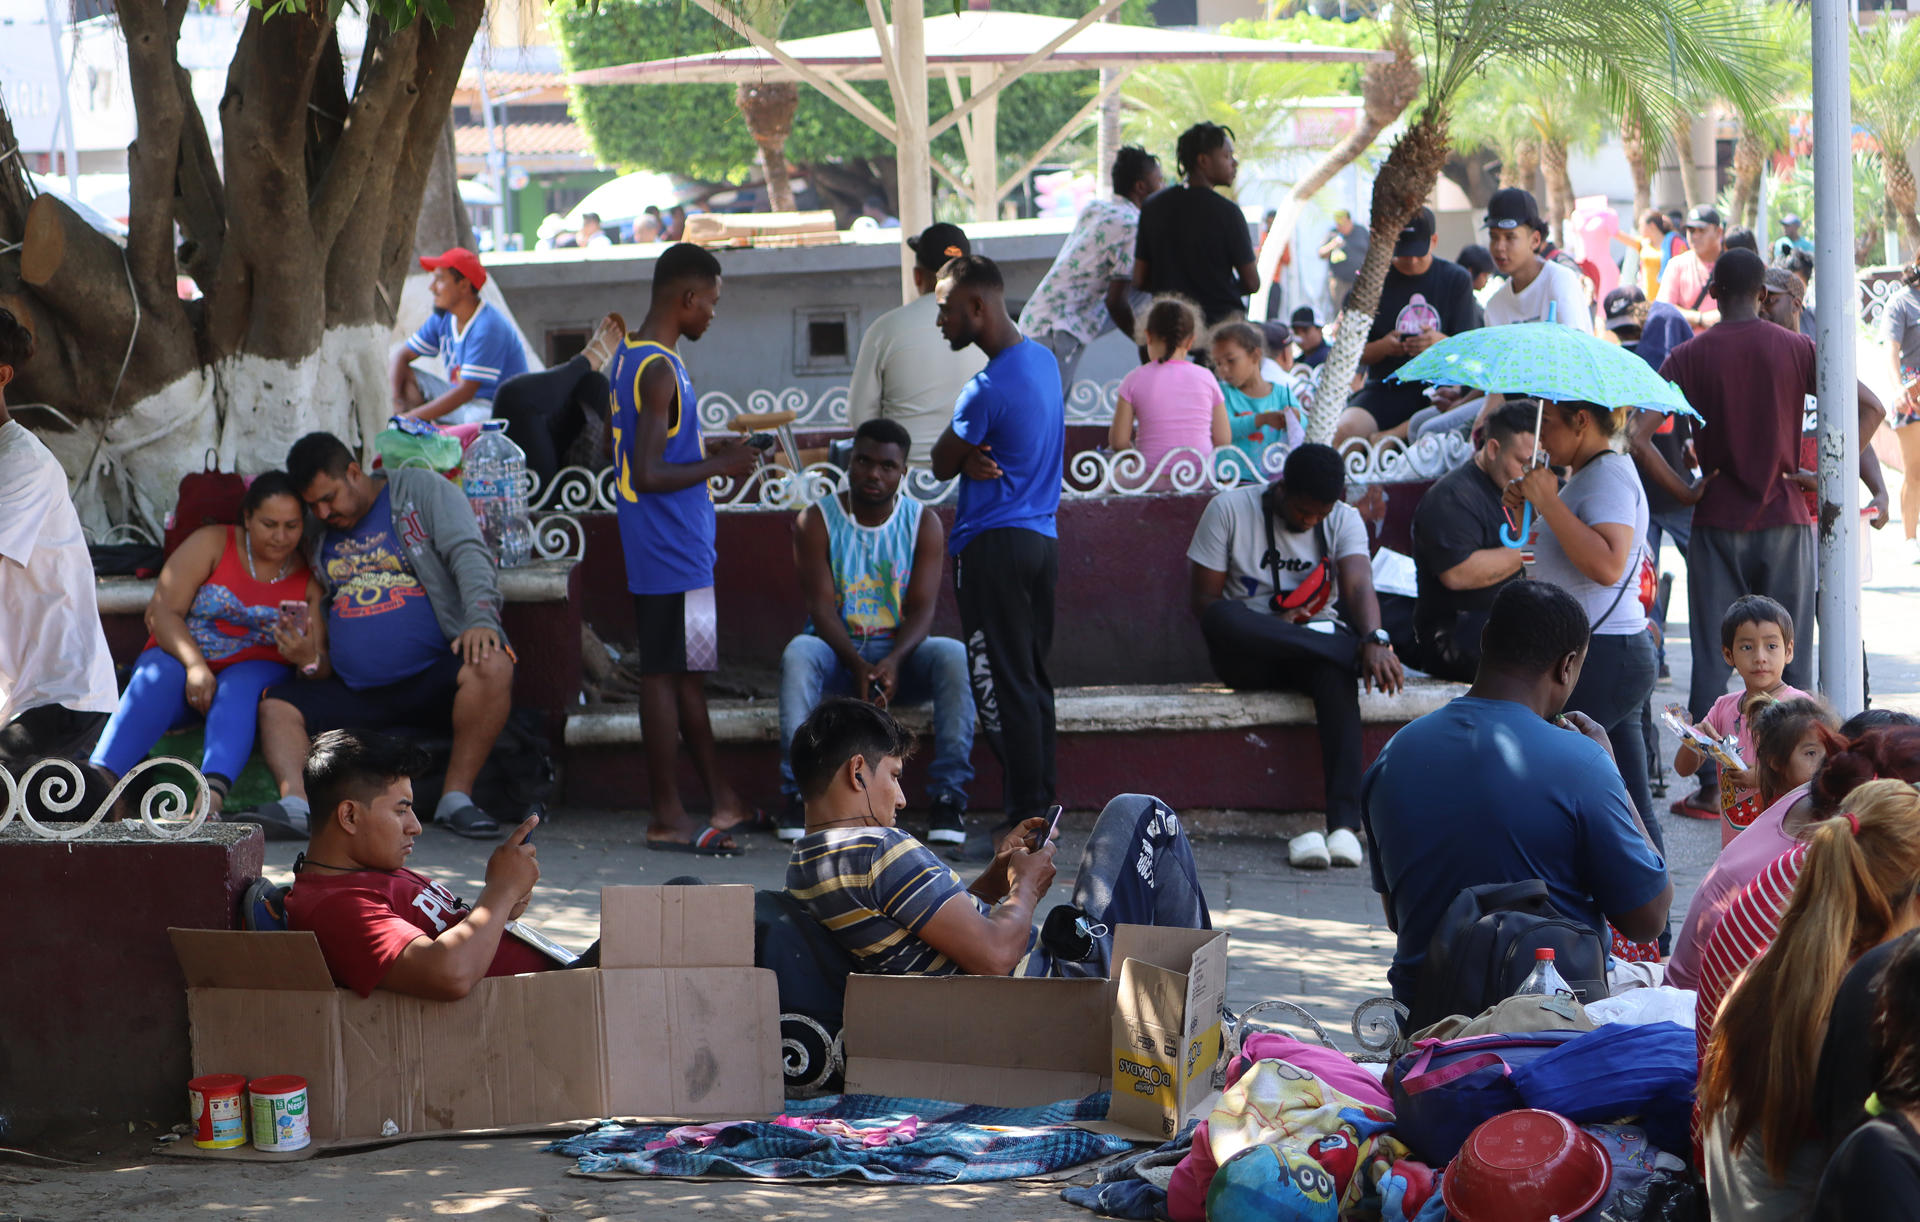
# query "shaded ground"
(1316, 939)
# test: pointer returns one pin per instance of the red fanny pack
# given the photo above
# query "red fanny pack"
(1315, 590)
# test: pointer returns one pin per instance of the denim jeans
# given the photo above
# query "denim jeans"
(936, 671)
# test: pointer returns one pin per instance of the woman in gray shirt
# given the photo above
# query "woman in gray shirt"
(1903, 341)
(1591, 535)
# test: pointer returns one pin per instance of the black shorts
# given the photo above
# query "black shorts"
(50, 731)
(1391, 404)
(423, 701)
(679, 633)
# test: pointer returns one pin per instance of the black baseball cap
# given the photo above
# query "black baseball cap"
(1417, 238)
(1303, 317)
(1512, 207)
(1703, 216)
(938, 244)
(1618, 307)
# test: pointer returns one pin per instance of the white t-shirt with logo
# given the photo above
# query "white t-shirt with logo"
(1232, 539)
(1566, 291)
(52, 650)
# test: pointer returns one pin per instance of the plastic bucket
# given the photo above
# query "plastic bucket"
(219, 1117)
(280, 1113)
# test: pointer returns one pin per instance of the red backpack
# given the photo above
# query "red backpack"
(207, 498)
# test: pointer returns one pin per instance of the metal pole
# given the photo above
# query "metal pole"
(913, 157)
(496, 142)
(1842, 673)
(63, 122)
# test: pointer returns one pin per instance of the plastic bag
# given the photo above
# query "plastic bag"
(403, 447)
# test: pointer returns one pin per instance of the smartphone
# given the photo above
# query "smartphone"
(293, 614)
(1046, 833)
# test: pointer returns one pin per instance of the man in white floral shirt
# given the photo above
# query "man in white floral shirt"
(1089, 289)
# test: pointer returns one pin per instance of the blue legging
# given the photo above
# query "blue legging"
(156, 701)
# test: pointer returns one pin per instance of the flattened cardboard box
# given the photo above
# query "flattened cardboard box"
(1151, 1034)
(675, 1023)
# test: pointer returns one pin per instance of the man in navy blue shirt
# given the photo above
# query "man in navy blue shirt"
(1007, 443)
(1499, 787)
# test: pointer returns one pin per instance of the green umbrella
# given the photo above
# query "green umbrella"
(1548, 361)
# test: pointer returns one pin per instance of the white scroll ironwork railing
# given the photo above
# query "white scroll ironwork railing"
(59, 787)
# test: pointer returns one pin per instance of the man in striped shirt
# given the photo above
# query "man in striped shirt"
(900, 910)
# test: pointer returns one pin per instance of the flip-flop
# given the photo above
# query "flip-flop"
(758, 821)
(709, 843)
(1687, 808)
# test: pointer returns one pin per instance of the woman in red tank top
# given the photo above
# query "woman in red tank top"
(219, 636)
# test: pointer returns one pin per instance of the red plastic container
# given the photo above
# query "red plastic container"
(219, 1111)
(1526, 1166)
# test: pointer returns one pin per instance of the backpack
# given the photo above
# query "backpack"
(810, 970)
(1483, 949)
(1444, 1089)
(210, 497)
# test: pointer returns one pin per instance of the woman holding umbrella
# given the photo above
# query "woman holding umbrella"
(1591, 542)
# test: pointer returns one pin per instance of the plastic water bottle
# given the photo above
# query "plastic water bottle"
(1545, 979)
(493, 475)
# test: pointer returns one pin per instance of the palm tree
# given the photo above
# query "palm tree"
(1640, 160)
(1534, 120)
(1665, 42)
(1886, 103)
(769, 106)
(1784, 79)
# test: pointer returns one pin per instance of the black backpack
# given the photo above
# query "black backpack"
(1483, 949)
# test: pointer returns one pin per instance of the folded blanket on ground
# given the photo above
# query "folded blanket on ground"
(956, 1144)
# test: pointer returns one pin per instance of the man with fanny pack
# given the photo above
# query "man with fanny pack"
(1283, 586)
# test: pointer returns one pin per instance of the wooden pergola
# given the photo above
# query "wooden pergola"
(979, 53)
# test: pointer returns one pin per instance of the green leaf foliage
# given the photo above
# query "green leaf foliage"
(698, 131)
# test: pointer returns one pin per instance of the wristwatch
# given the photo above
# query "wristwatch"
(1379, 637)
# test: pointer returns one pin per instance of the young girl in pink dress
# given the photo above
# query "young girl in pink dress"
(1174, 403)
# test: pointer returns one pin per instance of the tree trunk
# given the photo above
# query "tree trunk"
(298, 249)
(1526, 166)
(1399, 189)
(1386, 90)
(768, 107)
(1682, 137)
(444, 221)
(1749, 161)
(1901, 192)
(1633, 142)
(1553, 164)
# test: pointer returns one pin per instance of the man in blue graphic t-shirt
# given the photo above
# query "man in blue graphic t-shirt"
(412, 636)
(1007, 443)
(476, 343)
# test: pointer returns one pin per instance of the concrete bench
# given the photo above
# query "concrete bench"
(1200, 745)
(542, 620)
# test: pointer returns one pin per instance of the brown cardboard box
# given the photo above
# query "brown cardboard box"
(1018, 1043)
(676, 1022)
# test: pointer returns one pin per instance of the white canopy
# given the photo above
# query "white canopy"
(992, 49)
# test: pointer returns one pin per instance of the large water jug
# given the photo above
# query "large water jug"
(494, 477)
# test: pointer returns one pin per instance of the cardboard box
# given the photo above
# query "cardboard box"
(1151, 1034)
(675, 1023)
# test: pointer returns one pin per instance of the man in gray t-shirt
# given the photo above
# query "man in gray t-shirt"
(1284, 591)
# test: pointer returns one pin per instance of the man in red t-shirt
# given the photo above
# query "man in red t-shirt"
(1749, 379)
(380, 925)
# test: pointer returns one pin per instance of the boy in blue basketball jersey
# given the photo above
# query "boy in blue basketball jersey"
(666, 530)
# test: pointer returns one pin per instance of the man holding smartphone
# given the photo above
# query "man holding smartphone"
(901, 911)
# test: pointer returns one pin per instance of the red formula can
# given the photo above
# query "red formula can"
(219, 1111)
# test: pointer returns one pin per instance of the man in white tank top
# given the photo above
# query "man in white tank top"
(869, 562)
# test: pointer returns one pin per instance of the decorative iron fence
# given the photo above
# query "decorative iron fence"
(59, 788)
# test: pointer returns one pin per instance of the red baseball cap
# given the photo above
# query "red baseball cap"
(461, 260)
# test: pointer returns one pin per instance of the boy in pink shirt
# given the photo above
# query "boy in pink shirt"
(1175, 403)
(1756, 637)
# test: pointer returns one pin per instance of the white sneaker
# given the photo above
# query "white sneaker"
(1308, 851)
(1344, 847)
(1913, 550)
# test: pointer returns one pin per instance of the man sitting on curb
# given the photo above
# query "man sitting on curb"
(1282, 585)
(1499, 787)
(379, 924)
(901, 911)
(413, 630)
(870, 562)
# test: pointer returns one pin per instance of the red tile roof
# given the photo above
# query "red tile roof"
(523, 139)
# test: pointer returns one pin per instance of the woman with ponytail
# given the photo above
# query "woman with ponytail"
(1875, 1174)
(1854, 889)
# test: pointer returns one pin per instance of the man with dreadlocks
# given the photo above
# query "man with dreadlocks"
(1193, 240)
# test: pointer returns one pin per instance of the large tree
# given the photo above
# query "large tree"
(699, 130)
(1667, 41)
(297, 241)
(1886, 103)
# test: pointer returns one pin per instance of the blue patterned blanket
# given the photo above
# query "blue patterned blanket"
(956, 1144)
